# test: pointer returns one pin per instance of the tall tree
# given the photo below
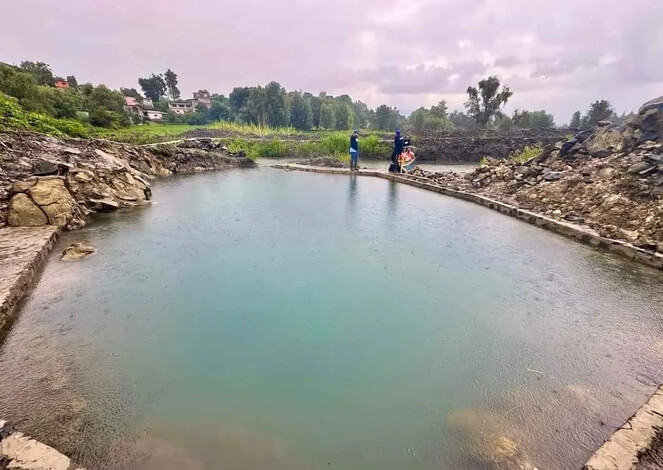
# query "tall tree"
(327, 116)
(40, 71)
(362, 114)
(599, 111)
(238, 98)
(153, 87)
(256, 107)
(485, 101)
(220, 109)
(344, 116)
(277, 109)
(170, 78)
(386, 118)
(316, 104)
(301, 116)
(575, 120)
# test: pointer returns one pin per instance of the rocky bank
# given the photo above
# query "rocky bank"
(609, 178)
(50, 181)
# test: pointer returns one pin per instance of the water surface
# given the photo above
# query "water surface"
(262, 319)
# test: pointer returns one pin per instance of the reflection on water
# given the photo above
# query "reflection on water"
(264, 319)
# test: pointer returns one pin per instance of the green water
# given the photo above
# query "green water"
(262, 319)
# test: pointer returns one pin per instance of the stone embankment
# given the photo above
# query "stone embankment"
(638, 444)
(609, 179)
(470, 147)
(20, 452)
(49, 181)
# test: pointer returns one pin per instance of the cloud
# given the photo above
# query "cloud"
(408, 53)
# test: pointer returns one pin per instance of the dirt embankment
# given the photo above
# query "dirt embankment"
(609, 178)
(50, 181)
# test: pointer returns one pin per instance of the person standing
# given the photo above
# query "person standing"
(398, 149)
(354, 150)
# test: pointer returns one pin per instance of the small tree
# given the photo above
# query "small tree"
(73, 83)
(599, 111)
(484, 102)
(301, 116)
(256, 107)
(327, 116)
(575, 120)
(462, 121)
(220, 110)
(170, 78)
(153, 87)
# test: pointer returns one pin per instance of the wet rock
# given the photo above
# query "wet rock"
(25, 213)
(77, 250)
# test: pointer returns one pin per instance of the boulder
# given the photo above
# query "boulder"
(103, 205)
(41, 167)
(77, 250)
(25, 213)
(604, 141)
(53, 197)
(23, 186)
(638, 167)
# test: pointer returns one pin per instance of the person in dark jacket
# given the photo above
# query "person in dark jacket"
(398, 149)
(354, 150)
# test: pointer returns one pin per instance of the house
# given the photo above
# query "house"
(133, 107)
(61, 83)
(181, 106)
(153, 115)
(202, 97)
(189, 106)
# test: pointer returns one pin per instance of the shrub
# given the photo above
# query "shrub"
(525, 154)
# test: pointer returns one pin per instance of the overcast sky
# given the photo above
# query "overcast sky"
(558, 55)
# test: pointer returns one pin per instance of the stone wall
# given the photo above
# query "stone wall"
(471, 147)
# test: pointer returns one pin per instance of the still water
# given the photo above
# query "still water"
(262, 319)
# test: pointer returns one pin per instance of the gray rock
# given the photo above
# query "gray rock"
(103, 205)
(638, 167)
(553, 176)
(41, 167)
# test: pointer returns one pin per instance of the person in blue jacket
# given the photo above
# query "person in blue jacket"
(398, 149)
(354, 150)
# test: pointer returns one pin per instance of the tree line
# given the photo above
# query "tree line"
(33, 85)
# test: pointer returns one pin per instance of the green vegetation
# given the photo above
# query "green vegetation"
(484, 103)
(598, 111)
(13, 116)
(525, 154)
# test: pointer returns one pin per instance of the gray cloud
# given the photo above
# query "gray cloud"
(559, 55)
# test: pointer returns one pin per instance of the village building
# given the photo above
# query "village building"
(200, 97)
(141, 111)
(61, 83)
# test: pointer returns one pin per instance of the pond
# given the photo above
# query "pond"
(262, 319)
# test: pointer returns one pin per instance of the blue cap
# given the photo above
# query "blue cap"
(398, 132)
